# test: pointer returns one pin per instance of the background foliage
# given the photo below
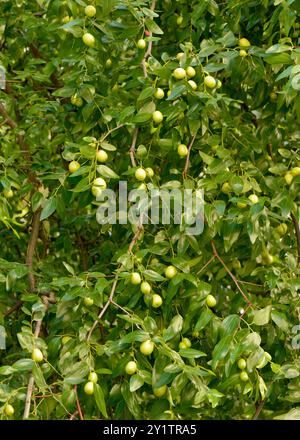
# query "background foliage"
(54, 254)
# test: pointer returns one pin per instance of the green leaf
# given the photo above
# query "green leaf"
(174, 328)
(262, 317)
(205, 317)
(135, 383)
(105, 171)
(100, 400)
(49, 208)
(221, 349)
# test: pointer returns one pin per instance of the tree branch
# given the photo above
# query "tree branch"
(297, 232)
(150, 45)
(215, 252)
(31, 248)
(187, 161)
(132, 147)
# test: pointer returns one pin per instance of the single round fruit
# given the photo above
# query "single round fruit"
(66, 19)
(8, 193)
(282, 229)
(141, 44)
(190, 71)
(74, 166)
(170, 272)
(219, 84)
(131, 367)
(159, 93)
(140, 174)
(288, 178)
(142, 186)
(253, 199)
(210, 82)
(226, 188)
(93, 377)
(242, 364)
(141, 151)
(75, 100)
(156, 301)
(135, 278)
(243, 53)
(90, 11)
(179, 56)
(88, 39)
(37, 355)
(65, 339)
(295, 171)
(101, 156)
(241, 205)
(161, 391)
(96, 191)
(179, 20)
(9, 410)
(185, 343)
(89, 388)
(273, 96)
(243, 42)
(182, 150)
(236, 264)
(192, 84)
(149, 172)
(211, 301)
(244, 376)
(157, 117)
(88, 301)
(146, 288)
(179, 73)
(147, 347)
(108, 62)
(99, 183)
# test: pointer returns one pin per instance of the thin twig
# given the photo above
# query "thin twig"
(215, 252)
(31, 248)
(258, 409)
(187, 161)
(206, 264)
(111, 131)
(297, 232)
(150, 45)
(132, 147)
(13, 308)
(8, 120)
(78, 404)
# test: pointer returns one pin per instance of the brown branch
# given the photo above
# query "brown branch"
(150, 45)
(297, 232)
(31, 248)
(78, 404)
(132, 147)
(114, 285)
(7, 119)
(13, 309)
(258, 409)
(215, 252)
(187, 161)
(206, 264)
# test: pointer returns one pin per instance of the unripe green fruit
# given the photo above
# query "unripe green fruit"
(179, 20)
(226, 188)
(170, 272)
(179, 56)
(282, 229)
(243, 42)
(156, 301)
(88, 39)
(244, 376)
(37, 355)
(99, 183)
(8, 193)
(76, 101)
(88, 301)
(185, 343)
(273, 96)
(241, 205)
(179, 73)
(96, 191)
(219, 84)
(89, 388)
(9, 410)
(191, 72)
(108, 62)
(141, 151)
(211, 301)
(157, 117)
(140, 174)
(159, 93)
(147, 347)
(74, 166)
(141, 44)
(101, 156)
(242, 364)
(253, 199)
(145, 288)
(243, 53)
(93, 377)
(182, 150)
(161, 391)
(90, 11)
(192, 84)
(131, 367)
(295, 171)
(149, 172)
(210, 82)
(65, 339)
(288, 178)
(135, 278)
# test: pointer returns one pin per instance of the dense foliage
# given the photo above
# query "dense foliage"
(82, 89)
